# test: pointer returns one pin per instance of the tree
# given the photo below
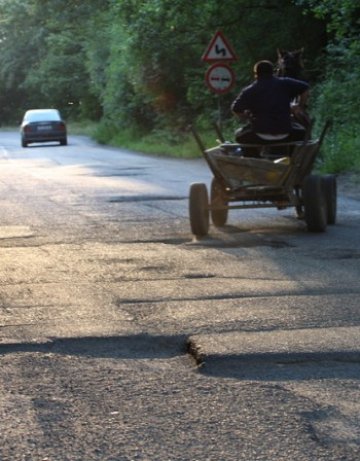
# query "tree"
(339, 92)
(135, 62)
(154, 75)
(43, 56)
(342, 16)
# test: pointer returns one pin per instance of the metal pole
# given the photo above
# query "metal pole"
(220, 113)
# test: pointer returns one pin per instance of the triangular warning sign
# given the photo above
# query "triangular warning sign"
(219, 49)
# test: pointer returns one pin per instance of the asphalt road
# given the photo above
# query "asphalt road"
(124, 338)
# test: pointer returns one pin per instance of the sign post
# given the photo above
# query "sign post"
(219, 77)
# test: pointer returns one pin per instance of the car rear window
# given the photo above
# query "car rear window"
(41, 116)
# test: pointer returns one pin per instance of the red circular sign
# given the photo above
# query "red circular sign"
(220, 78)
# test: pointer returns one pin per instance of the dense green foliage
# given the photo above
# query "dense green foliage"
(134, 66)
(338, 93)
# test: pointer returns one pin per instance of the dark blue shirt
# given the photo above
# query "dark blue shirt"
(268, 99)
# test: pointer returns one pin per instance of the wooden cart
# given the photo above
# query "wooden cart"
(279, 177)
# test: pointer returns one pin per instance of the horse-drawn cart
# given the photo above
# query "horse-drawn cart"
(279, 177)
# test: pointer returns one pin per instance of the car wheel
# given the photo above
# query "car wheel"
(63, 142)
(23, 143)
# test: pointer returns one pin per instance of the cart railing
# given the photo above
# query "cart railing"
(301, 156)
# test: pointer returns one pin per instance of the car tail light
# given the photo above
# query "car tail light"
(61, 126)
(27, 129)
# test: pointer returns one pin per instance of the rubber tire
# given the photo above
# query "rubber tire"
(199, 209)
(23, 143)
(63, 142)
(299, 209)
(315, 203)
(218, 217)
(330, 189)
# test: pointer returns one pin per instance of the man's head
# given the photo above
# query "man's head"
(263, 69)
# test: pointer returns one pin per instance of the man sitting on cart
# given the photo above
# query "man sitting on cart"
(267, 106)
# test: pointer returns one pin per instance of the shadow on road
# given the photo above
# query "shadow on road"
(295, 368)
(140, 346)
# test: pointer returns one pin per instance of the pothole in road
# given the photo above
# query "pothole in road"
(246, 242)
(208, 242)
(339, 253)
(11, 232)
(116, 175)
(104, 173)
(145, 198)
(199, 276)
(169, 241)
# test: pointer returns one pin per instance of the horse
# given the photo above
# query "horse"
(290, 64)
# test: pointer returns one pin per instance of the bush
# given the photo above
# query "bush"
(338, 98)
(341, 152)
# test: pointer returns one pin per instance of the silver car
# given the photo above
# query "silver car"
(43, 125)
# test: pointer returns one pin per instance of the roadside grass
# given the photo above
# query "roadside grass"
(82, 128)
(159, 143)
(6, 128)
(340, 152)
(166, 143)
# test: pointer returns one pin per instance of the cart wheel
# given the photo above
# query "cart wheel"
(330, 197)
(315, 203)
(300, 214)
(299, 208)
(199, 209)
(220, 215)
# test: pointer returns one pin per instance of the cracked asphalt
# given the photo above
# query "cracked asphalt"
(123, 338)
